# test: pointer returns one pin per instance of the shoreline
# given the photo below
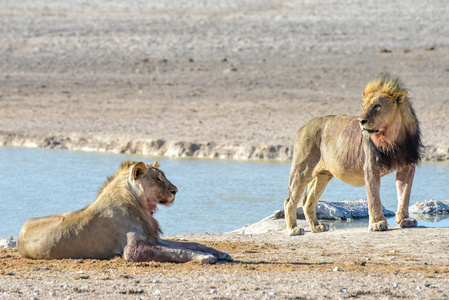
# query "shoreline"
(207, 150)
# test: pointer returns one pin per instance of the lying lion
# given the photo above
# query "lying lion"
(119, 222)
(359, 151)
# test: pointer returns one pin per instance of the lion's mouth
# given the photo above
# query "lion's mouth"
(167, 202)
(370, 131)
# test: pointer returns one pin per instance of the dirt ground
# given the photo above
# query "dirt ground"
(226, 79)
(351, 263)
(210, 79)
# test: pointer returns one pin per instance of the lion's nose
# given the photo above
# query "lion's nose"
(362, 121)
(174, 191)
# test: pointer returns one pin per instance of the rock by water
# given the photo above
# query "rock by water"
(338, 210)
(432, 207)
(326, 210)
(6, 243)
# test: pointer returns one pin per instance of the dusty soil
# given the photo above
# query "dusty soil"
(350, 263)
(218, 79)
(230, 79)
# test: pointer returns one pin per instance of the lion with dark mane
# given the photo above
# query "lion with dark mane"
(358, 151)
(119, 222)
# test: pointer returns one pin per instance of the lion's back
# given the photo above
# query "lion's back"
(71, 235)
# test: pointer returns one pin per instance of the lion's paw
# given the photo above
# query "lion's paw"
(224, 256)
(378, 226)
(205, 258)
(407, 223)
(320, 228)
(295, 231)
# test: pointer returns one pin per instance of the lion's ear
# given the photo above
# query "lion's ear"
(400, 96)
(156, 164)
(139, 169)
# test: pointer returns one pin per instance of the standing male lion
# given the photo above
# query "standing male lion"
(119, 222)
(358, 151)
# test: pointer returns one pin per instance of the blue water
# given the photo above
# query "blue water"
(214, 195)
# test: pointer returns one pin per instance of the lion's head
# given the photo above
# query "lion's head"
(142, 182)
(387, 114)
(150, 184)
(389, 120)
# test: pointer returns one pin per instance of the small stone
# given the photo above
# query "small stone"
(396, 285)
(156, 281)
(52, 294)
(157, 293)
(336, 269)
(230, 70)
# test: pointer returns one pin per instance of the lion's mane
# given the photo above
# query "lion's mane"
(408, 147)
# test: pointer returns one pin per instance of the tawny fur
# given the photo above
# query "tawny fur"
(358, 151)
(119, 222)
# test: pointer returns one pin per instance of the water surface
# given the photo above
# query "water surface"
(214, 195)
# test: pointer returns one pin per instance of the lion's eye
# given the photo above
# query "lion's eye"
(376, 107)
(157, 179)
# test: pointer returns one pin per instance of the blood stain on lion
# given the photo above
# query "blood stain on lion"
(358, 150)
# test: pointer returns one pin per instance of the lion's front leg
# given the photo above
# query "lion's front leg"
(404, 181)
(377, 220)
(197, 248)
(142, 251)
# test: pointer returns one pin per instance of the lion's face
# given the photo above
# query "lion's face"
(155, 187)
(376, 114)
(380, 119)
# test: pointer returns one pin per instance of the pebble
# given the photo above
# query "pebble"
(336, 269)
(157, 293)
(156, 281)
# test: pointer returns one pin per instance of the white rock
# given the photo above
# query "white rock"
(433, 207)
(6, 243)
(327, 210)
(347, 209)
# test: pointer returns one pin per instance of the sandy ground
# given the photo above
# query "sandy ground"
(351, 263)
(210, 79)
(229, 79)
